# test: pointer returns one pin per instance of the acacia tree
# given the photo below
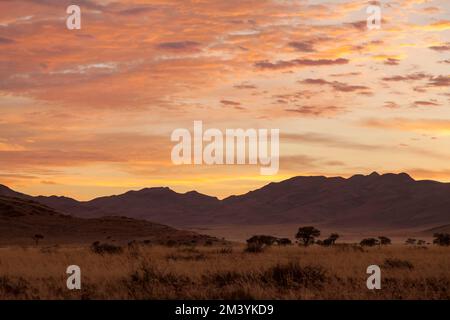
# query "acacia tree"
(421, 242)
(442, 239)
(263, 240)
(330, 240)
(307, 235)
(333, 237)
(384, 240)
(259, 242)
(369, 242)
(38, 237)
(284, 241)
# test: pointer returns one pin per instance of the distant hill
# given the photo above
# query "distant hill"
(439, 229)
(21, 219)
(155, 204)
(7, 192)
(388, 201)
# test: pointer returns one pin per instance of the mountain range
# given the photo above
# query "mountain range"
(388, 201)
(22, 219)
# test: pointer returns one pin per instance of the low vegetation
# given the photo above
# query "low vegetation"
(141, 271)
(105, 248)
(257, 243)
(313, 269)
(393, 263)
(442, 239)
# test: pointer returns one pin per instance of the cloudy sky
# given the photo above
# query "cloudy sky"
(89, 112)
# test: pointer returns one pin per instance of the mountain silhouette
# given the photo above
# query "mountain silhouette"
(385, 201)
(388, 201)
(161, 205)
(21, 219)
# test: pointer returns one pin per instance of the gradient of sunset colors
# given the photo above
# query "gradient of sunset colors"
(89, 112)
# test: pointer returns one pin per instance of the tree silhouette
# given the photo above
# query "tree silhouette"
(284, 242)
(307, 235)
(262, 239)
(421, 242)
(330, 240)
(259, 242)
(442, 239)
(369, 242)
(410, 241)
(384, 240)
(38, 237)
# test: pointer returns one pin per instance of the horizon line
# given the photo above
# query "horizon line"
(228, 196)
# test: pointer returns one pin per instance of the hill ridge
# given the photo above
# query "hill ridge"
(376, 200)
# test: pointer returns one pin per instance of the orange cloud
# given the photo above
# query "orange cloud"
(436, 126)
(92, 109)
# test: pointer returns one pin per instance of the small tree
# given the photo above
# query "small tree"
(369, 242)
(38, 237)
(263, 240)
(384, 241)
(307, 235)
(333, 237)
(421, 242)
(330, 240)
(259, 242)
(284, 242)
(442, 239)
(410, 241)
(104, 248)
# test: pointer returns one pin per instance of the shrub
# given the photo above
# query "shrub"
(421, 242)
(188, 249)
(186, 257)
(104, 248)
(284, 242)
(369, 242)
(398, 264)
(384, 240)
(171, 243)
(265, 240)
(226, 250)
(331, 240)
(143, 281)
(293, 274)
(13, 286)
(223, 278)
(134, 249)
(262, 239)
(208, 243)
(307, 235)
(257, 243)
(37, 238)
(254, 247)
(442, 239)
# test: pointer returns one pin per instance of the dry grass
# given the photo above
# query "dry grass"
(155, 272)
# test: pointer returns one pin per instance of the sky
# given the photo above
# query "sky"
(90, 112)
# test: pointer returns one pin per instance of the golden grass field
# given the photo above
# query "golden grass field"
(214, 272)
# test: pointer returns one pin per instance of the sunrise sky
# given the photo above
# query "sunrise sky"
(89, 112)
